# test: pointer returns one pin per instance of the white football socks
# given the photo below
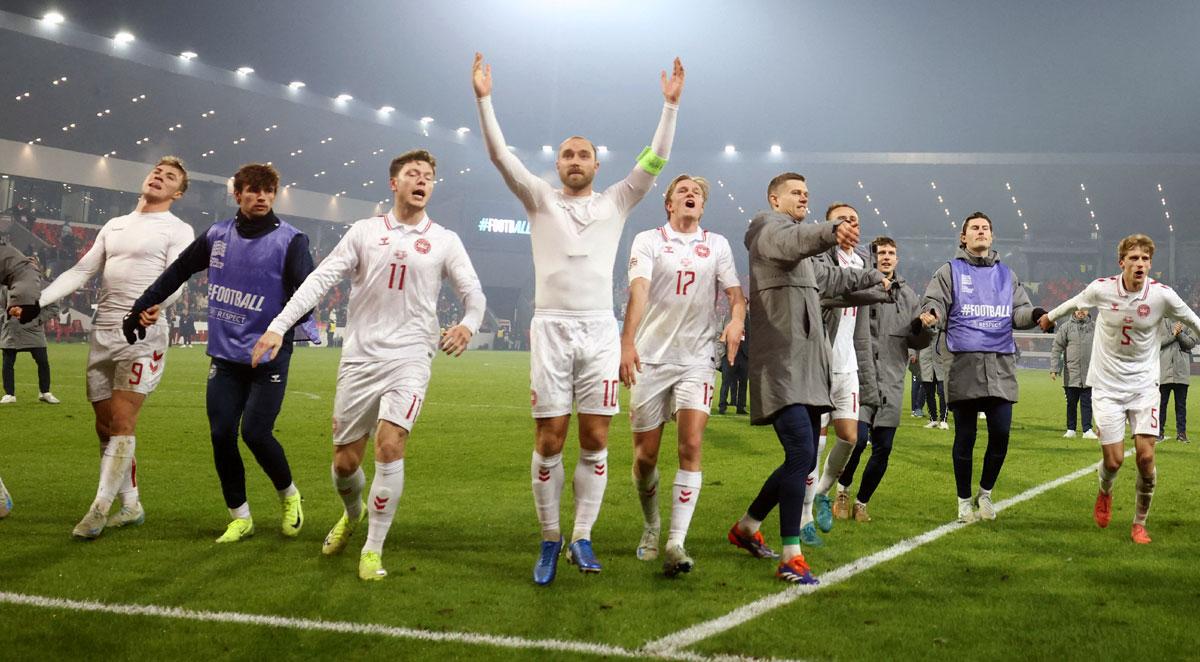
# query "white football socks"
(548, 479)
(684, 495)
(386, 489)
(241, 512)
(129, 489)
(835, 463)
(350, 489)
(647, 491)
(1107, 478)
(591, 477)
(1144, 495)
(114, 465)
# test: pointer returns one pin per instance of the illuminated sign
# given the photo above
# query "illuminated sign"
(503, 225)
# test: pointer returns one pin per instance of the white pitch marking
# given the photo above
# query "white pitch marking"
(238, 618)
(689, 636)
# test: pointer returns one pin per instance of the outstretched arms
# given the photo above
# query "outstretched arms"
(520, 181)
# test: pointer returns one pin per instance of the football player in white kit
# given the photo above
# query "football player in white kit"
(129, 253)
(1123, 372)
(668, 354)
(396, 262)
(576, 350)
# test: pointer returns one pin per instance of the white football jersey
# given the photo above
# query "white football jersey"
(844, 360)
(1126, 345)
(396, 275)
(129, 254)
(687, 272)
(574, 239)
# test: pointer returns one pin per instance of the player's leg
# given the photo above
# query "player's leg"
(116, 463)
(841, 503)
(1110, 427)
(808, 526)
(349, 482)
(551, 391)
(1164, 400)
(962, 454)
(360, 388)
(1085, 412)
(693, 396)
(399, 409)
(1181, 412)
(6, 502)
(10, 388)
(881, 450)
(265, 398)
(743, 383)
(940, 386)
(1144, 488)
(1072, 394)
(797, 427)
(42, 359)
(590, 481)
(999, 425)
(845, 425)
(225, 399)
(649, 409)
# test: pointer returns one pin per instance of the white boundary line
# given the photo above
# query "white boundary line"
(346, 627)
(689, 636)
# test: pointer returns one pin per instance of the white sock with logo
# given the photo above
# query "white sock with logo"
(591, 478)
(386, 489)
(684, 495)
(350, 489)
(548, 480)
(647, 491)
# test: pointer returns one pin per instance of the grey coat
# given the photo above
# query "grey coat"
(1073, 340)
(892, 338)
(980, 374)
(1175, 354)
(14, 335)
(789, 353)
(934, 358)
(18, 274)
(831, 315)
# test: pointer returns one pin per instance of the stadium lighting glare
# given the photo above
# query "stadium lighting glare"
(603, 149)
(462, 130)
(426, 120)
(245, 71)
(53, 18)
(188, 55)
(547, 149)
(343, 98)
(123, 37)
(776, 149)
(730, 149)
(387, 109)
(296, 84)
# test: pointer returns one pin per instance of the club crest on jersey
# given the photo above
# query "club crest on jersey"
(701, 250)
(383, 241)
(1144, 310)
(422, 246)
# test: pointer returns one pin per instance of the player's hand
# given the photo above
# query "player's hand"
(672, 88)
(929, 319)
(1045, 323)
(847, 234)
(132, 329)
(267, 342)
(1054, 376)
(149, 316)
(732, 337)
(1177, 329)
(481, 77)
(886, 283)
(631, 364)
(912, 360)
(455, 340)
(26, 313)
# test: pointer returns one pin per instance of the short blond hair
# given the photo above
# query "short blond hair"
(176, 163)
(1135, 241)
(675, 182)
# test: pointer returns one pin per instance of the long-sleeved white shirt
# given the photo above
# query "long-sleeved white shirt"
(129, 253)
(1126, 345)
(844, 360)
(396, 275)
(686, 274)
(574, 238)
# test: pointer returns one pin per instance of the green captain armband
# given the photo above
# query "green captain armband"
(651, 162)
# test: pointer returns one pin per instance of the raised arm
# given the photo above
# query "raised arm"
(788, 241)
(91, 264)
(466, 284)
(524, 184)
(629, 191)
(1024, 314)
(836, 282)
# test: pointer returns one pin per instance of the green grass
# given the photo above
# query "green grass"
(1041, 582)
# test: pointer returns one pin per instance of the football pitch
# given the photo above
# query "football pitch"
(1040, 582)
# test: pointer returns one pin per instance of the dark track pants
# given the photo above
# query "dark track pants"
(999, 423)
(43, 368)
(797, 427)
(881, 448)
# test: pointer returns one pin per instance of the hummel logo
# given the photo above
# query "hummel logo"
(275, 379)
(543, 475)
(156, 356)
(383, 241)
(381, 502)
(653, 491)
(685, 496)
(808, 481)
(600, 469)
(154, 367)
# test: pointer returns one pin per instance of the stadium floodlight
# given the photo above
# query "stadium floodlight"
(123, 37)
(730, 149)
(245, 71)
(53, 18)
(777, 149)
(296, 84)
(343, 98)
(188, 55)
(387, 109)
